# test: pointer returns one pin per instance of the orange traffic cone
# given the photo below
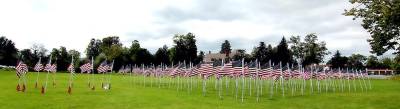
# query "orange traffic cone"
(18, 88)
(69, 89)
(42, 91)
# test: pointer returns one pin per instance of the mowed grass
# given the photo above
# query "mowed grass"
(128, 92)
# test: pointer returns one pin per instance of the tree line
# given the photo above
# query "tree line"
(305, 50)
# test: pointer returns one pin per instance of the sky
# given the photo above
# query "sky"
(72, 23)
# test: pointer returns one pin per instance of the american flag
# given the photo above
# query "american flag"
(206, 70)
(53, 68)
(71, 68)
(86, 67)
(48, 67)
(321, 76)
(237, 68)
(122, 69)
(176, 71)
(194, 71)
(276, 72)
(227, 69)
(306, 75)
(21, 69)
(38, 66)
(103, 67)
(127, 69)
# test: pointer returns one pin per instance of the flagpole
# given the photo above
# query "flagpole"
(93, 78)
(47, 76)
(37, 78)
(70, 78)
(109, 76)
(54, 73)
(243, 79)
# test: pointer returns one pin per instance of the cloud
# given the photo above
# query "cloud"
(72, 23)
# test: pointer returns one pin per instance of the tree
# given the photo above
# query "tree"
(61, 58)
(314, 51)
(144, 57)
(261, 52)
(199, 58)
(396, 64)
(27, 56)
(239, 55)
(297, 48)
(38, 50)
(185, 47)
(386, 63)
(93, 48)
(356, 61)
(161, 56)
(76, 54)
(372, 62)
(283, 53)
(8, 52)
(111, 47)
(226, 48)
(381, 19)
(133, 50)
(338, 61)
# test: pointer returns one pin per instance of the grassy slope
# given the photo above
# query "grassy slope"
(385, 94)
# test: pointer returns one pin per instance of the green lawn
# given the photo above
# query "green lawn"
(128, 92)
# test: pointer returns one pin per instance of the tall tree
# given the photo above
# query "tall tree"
(261, 53)
(283, 53)
(111, 47)
(76, 54)
(161, 56)
(338, 61)
(133, 50)
(381, 19)
(241, 53)
(297, 47)
(314, 51)
(8, 52)
(185, 47)
(93, 48)
(372, 62)
(226, 48)
(199, 58)
(38, 50)
(27, 56)
(357, 61)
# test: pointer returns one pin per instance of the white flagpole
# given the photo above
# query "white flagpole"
(311, 80)
(369, 80)
(37, 78)
(282, 83)
(243, 84)
(93, 86)
(71, 74)
(47, 75)
(272, 81)
(257, 80)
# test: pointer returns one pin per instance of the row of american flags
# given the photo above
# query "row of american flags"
(283, 75)
(233, 69)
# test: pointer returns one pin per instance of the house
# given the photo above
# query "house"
(210, 57)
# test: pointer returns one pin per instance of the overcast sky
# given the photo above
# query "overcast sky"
(72, 23)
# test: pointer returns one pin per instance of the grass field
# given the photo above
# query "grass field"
(128, 92)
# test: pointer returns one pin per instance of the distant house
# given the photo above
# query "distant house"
(210, 57)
